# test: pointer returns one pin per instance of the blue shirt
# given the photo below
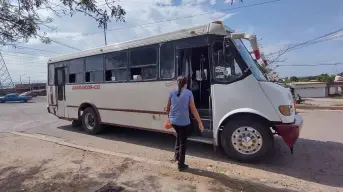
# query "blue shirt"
(179, 110)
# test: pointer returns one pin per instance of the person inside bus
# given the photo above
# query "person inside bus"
(179, 102)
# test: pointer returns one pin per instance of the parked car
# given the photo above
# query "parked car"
(14, 97)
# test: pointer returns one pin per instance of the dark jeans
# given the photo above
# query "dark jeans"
(180, 143)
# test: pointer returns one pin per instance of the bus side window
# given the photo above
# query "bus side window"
(94, 69)
(76, 71)
(116, 66)
(226, 68)
(167, 61)
(51, 73)
(143, 63)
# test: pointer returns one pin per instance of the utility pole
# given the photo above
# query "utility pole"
(20, 78)
(105, 36)
(30, 83)
(105, 28)
(6, 82)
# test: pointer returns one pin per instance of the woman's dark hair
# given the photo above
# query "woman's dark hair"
(181, 82)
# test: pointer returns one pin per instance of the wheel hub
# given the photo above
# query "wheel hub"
(246, 140)
(89, 121)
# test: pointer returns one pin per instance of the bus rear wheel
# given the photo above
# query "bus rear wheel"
(90, 121)
(246, 140)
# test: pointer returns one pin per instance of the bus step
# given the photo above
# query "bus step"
(200, 139)
(205, 121)
(204, 112)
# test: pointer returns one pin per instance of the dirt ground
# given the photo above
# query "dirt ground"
(30, 164)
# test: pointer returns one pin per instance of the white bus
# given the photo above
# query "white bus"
(128, 84)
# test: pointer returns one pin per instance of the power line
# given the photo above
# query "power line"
(309, 42)
(65, 45)
(178, 18)
(308, 65)
(21, 53)
(22, 47)
(318, 41)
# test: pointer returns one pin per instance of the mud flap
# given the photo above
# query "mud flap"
(290, 132)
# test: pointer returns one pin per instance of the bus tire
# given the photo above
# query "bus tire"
(90, 121)
(246, 141)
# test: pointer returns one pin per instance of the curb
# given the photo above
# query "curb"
(313, 107)
(90, 149)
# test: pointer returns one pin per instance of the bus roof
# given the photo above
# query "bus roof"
(216, 28)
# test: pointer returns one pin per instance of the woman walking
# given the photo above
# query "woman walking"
(179, 102)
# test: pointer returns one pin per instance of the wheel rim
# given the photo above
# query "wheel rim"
(90, 121)
(246, 140)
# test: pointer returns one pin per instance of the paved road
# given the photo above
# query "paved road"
(318, 154)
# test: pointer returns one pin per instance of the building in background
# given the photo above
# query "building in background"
(336, 88)
(273, 76)
(38, 88)
(20, 88)
(310, 89)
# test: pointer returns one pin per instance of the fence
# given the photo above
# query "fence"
(21, 87)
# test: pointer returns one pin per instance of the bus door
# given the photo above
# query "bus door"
(190, 63)
(60, 89)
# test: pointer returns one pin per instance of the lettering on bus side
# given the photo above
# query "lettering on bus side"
(169, 84)
(79, 87)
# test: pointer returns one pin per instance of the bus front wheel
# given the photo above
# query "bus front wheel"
(246, 140)
(90, 121)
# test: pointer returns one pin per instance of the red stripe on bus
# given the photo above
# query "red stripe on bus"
(127, 110)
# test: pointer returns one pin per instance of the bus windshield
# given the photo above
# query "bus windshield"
(255, 69)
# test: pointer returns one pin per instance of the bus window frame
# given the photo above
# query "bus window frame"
(240, 61)
(174, 60)
(117, 68)
(83, 72)
(53, 74)
(144, 66)
(178, 44)
(91, 71)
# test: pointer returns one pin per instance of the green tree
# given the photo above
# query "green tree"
(20, 19)
(326, 78)
(293, 79)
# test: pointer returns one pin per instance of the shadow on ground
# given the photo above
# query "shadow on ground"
(221, 182)
(316, 161)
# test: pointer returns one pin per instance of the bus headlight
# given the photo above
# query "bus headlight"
(286, 110)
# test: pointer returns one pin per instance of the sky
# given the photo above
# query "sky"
(276, 24)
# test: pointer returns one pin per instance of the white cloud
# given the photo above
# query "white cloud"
(75, 36)
(213, 2)
(70, 30)
(227, 16)
(193, 1)
(33, 66)
(231, 1)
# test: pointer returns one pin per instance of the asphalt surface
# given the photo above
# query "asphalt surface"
(317, 158)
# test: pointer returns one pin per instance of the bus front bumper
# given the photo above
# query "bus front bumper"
(290, 132)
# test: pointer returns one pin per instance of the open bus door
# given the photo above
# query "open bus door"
(60, 91)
